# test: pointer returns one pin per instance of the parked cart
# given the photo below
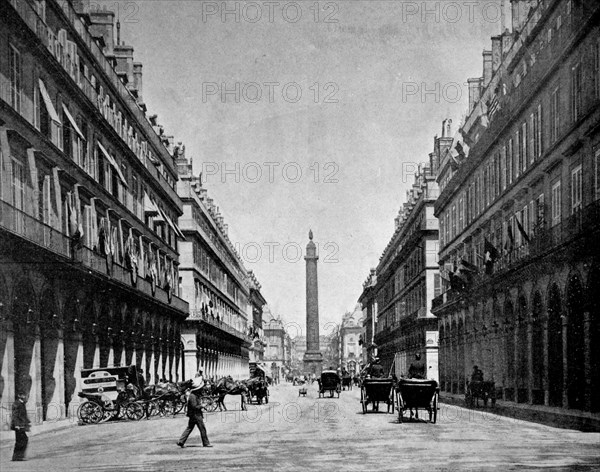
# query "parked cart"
(415, 394)
(376, 390)
(329, 382)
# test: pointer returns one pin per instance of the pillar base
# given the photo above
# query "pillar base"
(313, 362)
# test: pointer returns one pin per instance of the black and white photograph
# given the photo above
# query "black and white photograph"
(299, 235)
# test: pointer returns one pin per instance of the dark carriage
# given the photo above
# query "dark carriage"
(476, 390)
(258, 390)
(415, 395)
(330, 382)
(376, 390)
(347, 382)
(110, 393)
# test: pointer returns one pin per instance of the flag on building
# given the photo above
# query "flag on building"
(522, 230)
(491, 256)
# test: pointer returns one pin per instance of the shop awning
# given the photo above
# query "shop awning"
(112, 162)
(72, 121)
(149, 206)
(48, 102)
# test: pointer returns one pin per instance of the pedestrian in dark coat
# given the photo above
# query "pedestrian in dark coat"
(20, 425)
(195, 418)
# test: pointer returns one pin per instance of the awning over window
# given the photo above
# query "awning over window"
(172, 225)
(72, 121)
(112, 162)
(48, 102)
(149, 206)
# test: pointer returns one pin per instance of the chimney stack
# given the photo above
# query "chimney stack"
(487, 68)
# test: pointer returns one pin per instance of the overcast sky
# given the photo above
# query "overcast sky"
(337, 159)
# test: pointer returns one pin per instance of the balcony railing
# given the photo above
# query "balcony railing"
(27, 227)
(217, 323)
(580, 223)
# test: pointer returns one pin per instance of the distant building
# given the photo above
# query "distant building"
(215, 282)
(368, 301)
(277, 355)
(255, 322)
(519, 215)
(351, 330)
(406, 282)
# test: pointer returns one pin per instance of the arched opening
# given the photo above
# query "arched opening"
(49, 352)
(89, 328)
(537, 349)
(594, 307)
(522, 365)
(104, 334)
(509, 351)
(73, 350)
(575, 344)
(461, 358)
(555, 347)
(25, 333)
(4, 357)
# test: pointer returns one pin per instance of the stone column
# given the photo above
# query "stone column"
(546, 381)
(7, 374)
(530, 360)
(313, 359)
(587, 334)
(565, 353)
(96, 361)
(34, 403)
(56, 403)
(152, 368)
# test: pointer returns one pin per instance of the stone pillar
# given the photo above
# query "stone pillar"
(546, 381)
(7, 374)
(313, 359)
(152, 367)
(431, 355)
(96, 361)
(530, 361)
(587, 335)
(55, 409)
(565, 346)
(110, 361)
(34, 402)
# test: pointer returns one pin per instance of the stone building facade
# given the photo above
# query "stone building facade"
(215, 283)
(351, 329)
(88, 239)
(519, 215)
(407, 280)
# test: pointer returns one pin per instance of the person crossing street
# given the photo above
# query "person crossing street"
(195, 418)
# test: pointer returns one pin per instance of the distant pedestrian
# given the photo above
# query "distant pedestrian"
(195, 418)
(20, 424)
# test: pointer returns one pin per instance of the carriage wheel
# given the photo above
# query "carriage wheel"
(90, 412)
(134, 411)
(152, 408)
(169, 407)
(435, 407)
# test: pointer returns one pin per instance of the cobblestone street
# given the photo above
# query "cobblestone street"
(307, 433)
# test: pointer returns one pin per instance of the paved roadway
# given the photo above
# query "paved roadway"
(308, 434)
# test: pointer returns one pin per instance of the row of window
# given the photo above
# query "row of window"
(221, 310)
(99, 229)
(519, 152)
(72, 134)
(414, 300)
(209, 266)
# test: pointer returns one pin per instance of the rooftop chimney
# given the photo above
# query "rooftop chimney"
(487, 68)
(103, 26)
(474, 92)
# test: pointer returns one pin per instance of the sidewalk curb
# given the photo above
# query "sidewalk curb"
(550, 416)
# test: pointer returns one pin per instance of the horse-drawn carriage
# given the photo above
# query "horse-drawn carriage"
(329, 382)
(110, 393)
(258, 390)
(346, 382)
(484, 390)
(376, 390)
(415, 394)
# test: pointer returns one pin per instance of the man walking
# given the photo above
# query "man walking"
(20, 425)
(196, 418)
